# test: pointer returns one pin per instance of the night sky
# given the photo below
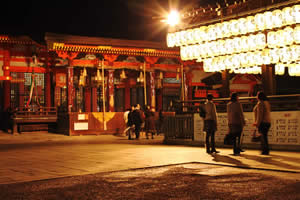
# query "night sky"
(123, 19)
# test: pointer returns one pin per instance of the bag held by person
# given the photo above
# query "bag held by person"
(228, 139)
(255, 136)
(202, 112)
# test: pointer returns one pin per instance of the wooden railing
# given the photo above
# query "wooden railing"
(179, 127)
(278, 103)
(39, 115)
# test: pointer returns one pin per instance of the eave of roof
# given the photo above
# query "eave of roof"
(22, 40)
(60, 42)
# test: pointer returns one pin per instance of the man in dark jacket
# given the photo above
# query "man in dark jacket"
(137, 120)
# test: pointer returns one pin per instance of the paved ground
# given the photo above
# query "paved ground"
(40, 155)
(176, 182)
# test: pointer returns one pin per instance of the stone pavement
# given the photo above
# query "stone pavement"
(41, 155)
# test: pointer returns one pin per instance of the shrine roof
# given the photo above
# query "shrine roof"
(23, 40)
(61, 42)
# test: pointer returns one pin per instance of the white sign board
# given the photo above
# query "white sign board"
(81, 126)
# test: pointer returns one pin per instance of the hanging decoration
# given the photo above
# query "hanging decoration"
(243, 45)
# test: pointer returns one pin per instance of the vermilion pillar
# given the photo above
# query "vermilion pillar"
(21, 89)
(47, 86)
(152, 89)
(6, 86)
(160, 99)
(70, 88)
(189, 77)
(127, 94)
(111, 103)
(87, 97)
(152, 61)
(111, 89)
(70, 72)
(94, 100)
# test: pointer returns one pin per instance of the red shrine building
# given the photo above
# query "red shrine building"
(91, 81)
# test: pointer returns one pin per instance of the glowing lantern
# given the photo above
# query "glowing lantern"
(250, 24)
(287, 16)
(268, 20)
(260, 41)
(218, 30)
(207, 63)
(225, 29)
(273, 39)
(234, 27)
(277, 18)
(242, 25)
(196, 35)
(183, 53)
(221, 46)
(274, 55)
(244, 44)
(260, 21)
(297, 34)
(288, 38)
(279, 69)
(296, 13)
(252, 42)
(170, 40)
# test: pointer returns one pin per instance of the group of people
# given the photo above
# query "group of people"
(135, 119)
(236, 122)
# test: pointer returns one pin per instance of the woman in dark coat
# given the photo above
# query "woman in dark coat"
(150, 123)
(236, 121)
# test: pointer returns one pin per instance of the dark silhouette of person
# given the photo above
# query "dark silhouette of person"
(236, 121)
(137, 120)
(262, 117)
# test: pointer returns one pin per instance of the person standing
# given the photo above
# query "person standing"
(129, 122)
(236, 121)
(137, 120)
(150, 121)
(262, 117)
(160, 122)
(210, 124)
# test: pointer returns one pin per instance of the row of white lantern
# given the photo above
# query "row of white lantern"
(224, 47)
(268, 56)
(293, 69)
(281, 38)
(259, 22)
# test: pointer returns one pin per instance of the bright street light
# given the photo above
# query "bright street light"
(173, 18)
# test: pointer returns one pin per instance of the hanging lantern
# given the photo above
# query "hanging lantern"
(288, 38)
(250, 24)
(268, 20)
(140, 79)
(123, 75)
(279, 69)
(84, 72)
(297, 34)
(277, 18)
(287, 16)
(259, 21)
(98, 76)
(161, 75)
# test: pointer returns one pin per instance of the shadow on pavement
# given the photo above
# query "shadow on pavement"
(227, 159)
(274, 160)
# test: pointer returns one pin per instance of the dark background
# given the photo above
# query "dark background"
(124, 19)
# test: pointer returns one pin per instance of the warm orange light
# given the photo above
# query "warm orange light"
(173, 18)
